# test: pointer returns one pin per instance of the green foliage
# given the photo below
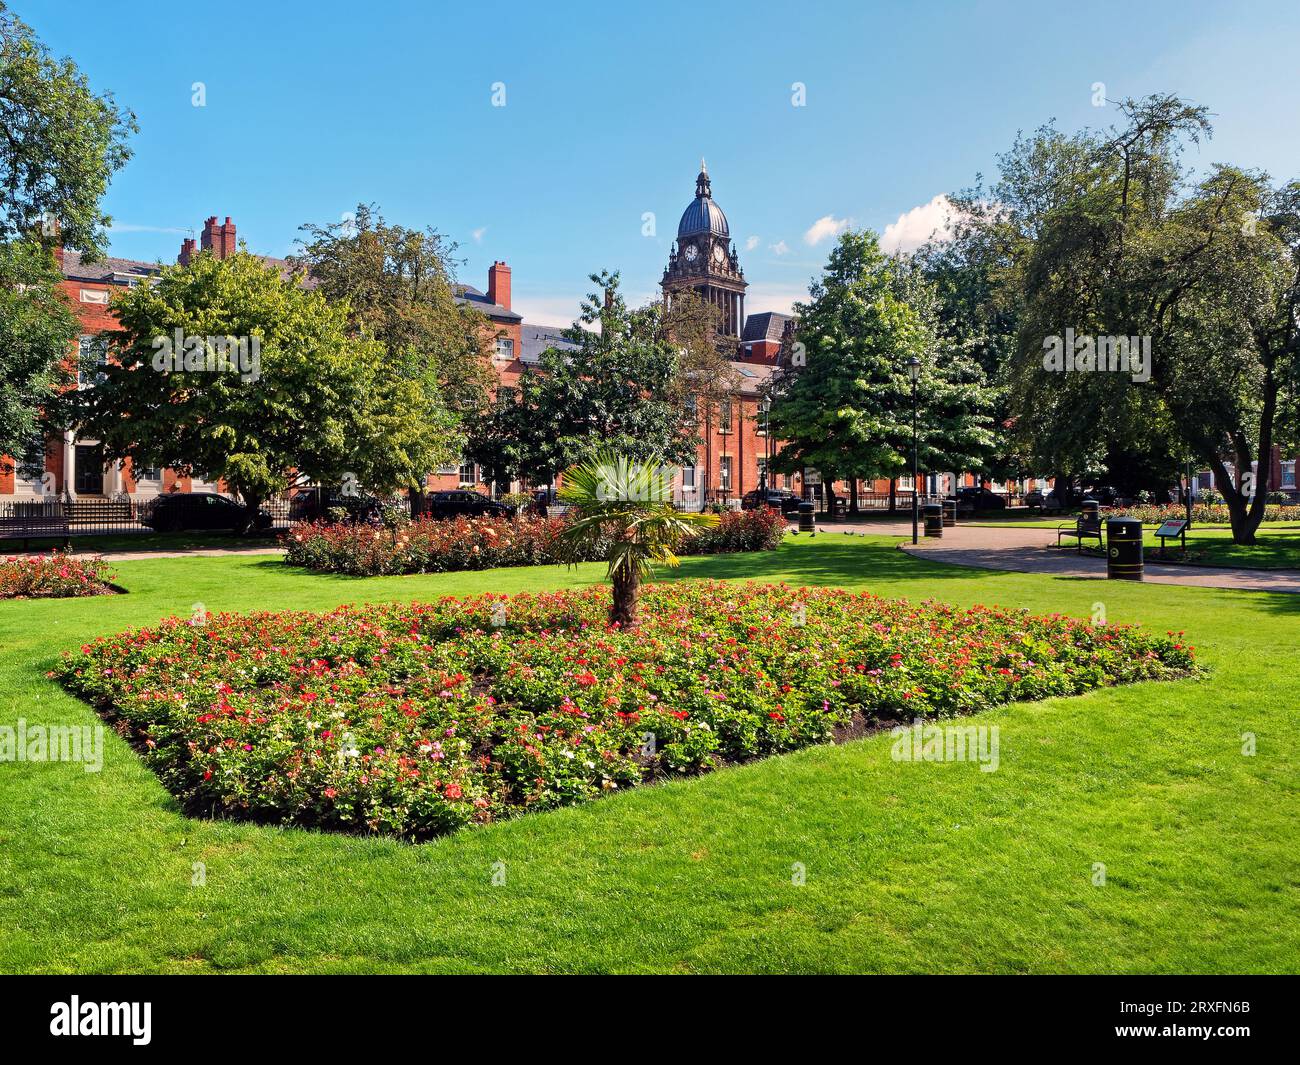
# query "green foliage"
(37, 328)
(627, 505)
(62, 143)
(1104, 233)
(618, 391)
(313, 407)
(845, 407)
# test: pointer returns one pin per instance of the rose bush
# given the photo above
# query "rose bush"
(1202, 513)
(54, 576)
(430, 546)
(416, 719)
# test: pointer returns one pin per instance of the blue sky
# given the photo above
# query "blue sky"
(312, 107)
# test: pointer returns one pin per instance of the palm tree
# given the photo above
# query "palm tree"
(627, 504)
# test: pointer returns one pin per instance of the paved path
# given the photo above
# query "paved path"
(1035, 551)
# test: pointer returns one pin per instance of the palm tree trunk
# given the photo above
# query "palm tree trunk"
(627, 585)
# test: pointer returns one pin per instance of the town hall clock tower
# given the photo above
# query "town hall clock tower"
(704, 261)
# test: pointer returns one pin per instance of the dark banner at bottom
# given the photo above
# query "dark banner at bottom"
(148, 1013)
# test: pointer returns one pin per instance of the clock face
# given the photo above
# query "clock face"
(718, 253)
(691, 252)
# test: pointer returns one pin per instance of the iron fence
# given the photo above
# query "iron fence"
(68, 516)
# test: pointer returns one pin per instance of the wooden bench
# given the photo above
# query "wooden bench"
(1086, 527)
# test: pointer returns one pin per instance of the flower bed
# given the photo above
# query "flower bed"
(416, 719)
(430, 546)
(1202, 513)
(54, 576)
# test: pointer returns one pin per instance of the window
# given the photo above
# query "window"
(505, 348)
(762, 472)
(691, 407)
(905, 483)
(764, 409)
(148, 473)
(468, 475)
(450, 470)
(724, 415)
(90, 355)
(724, 473)
(688, 479)
(1288, 474)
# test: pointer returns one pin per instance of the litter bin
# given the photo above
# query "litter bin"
(950, 511)
(1124, 549)
(933, 519)
(1090, 508)
(807, 516)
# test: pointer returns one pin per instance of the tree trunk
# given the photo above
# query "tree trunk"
(853, 496)
(893, 494)
(627, 586)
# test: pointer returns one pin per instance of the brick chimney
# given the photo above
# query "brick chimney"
(499, 284)
(218, 238)
(187, 251)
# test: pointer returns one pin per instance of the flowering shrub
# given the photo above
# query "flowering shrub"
(760, 529)
(431, 546)
(1202, 513)
(416, 719)
(53, 576)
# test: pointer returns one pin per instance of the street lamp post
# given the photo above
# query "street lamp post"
(914, 371)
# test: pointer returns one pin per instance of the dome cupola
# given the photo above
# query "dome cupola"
(703, 215)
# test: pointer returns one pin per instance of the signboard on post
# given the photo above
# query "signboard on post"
(1173, 527)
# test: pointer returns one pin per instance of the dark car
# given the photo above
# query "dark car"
(781, 499)
(980, 498)
(189, 511)
(1048, 503)
(464, 504)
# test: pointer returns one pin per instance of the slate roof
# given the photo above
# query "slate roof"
(537, 338)
(110, 268)
(765, 326)
(469, 294)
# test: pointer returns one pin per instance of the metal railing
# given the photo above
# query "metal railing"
(68, 516)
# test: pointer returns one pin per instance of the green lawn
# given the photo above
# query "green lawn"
(145, 541)
(910, 866)
(1276, 547)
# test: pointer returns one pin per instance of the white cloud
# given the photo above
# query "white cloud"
(478, 234)
(559, 310)
(751, 243)
(129, 227)
(780, 298)
(780, 248)
(915, 227)
(825, 227)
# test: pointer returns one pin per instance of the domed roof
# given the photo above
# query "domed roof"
(703, 215)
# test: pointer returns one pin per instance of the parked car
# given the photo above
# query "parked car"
(781, 499)
(461, 503)
(980, 498)
(192, 511)
(1048, 503)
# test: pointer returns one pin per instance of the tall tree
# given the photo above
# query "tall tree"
(1106, 235)
(844, 405)
(37, 329)
(60, 143)
(616, 390)
(227, 368)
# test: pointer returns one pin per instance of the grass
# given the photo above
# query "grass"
(110, 543)
(910, 867)
(1276, 547)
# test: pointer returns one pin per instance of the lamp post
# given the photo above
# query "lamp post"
(913, 372)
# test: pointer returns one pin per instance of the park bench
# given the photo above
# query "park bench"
(1086, 527)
